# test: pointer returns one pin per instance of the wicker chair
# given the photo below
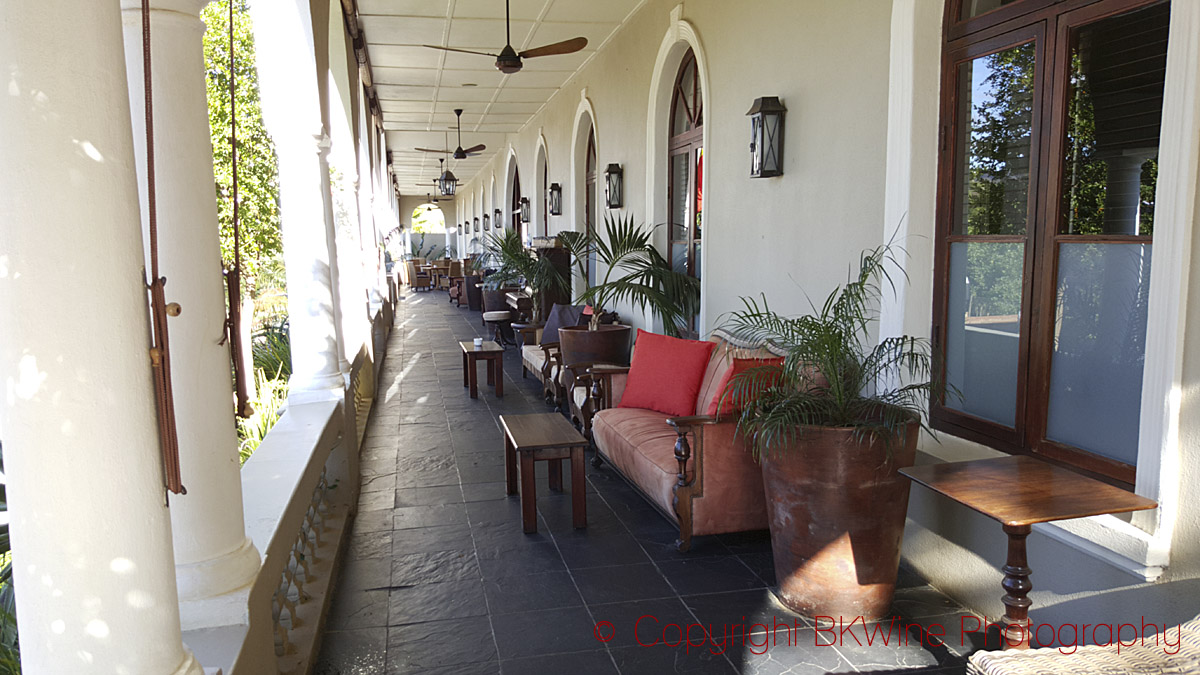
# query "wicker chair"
(418, 281)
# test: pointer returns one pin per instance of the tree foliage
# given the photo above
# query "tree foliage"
(258, 174)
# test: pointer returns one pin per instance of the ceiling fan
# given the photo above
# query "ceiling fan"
(459, 153)
(508, 61)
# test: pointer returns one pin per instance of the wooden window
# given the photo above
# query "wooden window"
(685, 163)
(518, 226)
(1048, 160)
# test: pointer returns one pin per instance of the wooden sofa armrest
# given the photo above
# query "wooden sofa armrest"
(691, 421)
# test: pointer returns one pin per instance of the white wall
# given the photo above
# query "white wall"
(826, 61)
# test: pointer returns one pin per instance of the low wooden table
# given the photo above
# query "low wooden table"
(551, 437)
(490, 352)
(1020, 491)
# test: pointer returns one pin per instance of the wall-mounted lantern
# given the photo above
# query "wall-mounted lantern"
(614, 195)
(766, 137)
(487, 225)
(498, 219)
(555, 199)
(476, 224)
(526, 216)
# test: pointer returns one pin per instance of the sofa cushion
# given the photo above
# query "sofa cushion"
(719, 405)
(641, 444)
(666, 373)
(533, 358)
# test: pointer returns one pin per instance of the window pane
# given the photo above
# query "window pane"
(1099, 348)
(699, 192)
(983, 328)
(1114, 114)
(680, 173)
(679, 256)
(973, 8)
(995, 116)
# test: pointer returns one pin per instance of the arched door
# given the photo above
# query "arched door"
(685, 197)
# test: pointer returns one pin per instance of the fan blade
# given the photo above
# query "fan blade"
(463, 51)
(565, 47)
(444, 152)
(475, 148)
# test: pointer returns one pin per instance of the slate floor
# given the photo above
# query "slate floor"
(440, 579)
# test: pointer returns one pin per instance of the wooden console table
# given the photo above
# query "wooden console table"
(1020, 491)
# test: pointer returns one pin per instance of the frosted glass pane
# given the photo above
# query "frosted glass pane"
(1099, 348)
(983, 328)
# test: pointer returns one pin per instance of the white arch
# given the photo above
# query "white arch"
(585, 121)
(510, 170)
(539, 189)
(679, 37)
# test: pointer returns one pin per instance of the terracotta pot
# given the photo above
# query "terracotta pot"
(836, 508)
(606, 344)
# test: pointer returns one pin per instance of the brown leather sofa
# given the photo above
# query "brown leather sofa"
(696, 470)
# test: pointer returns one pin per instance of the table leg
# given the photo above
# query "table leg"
(465, 381)
(491, 371)
(510, 466)
(528, 494)
(578, 489)
(499, 376)
(472, 372)
(555, 474)
(1016, 585)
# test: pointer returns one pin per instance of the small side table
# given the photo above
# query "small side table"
(490, 352)
(546, 436)
(1020, 491)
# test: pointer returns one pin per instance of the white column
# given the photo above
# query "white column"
(292, 112)
(324, 145)
(212, 553)
(91, 533)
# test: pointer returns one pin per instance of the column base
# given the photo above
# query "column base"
(190, 665)
(218, 576)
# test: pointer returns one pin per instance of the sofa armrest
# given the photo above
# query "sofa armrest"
(691, 421)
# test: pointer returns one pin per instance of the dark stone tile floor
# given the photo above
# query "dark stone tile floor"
(438, 577)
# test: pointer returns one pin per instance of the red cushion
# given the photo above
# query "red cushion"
(666, 374)
(740, 366)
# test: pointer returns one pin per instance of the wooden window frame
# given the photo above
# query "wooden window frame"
(1048, 24)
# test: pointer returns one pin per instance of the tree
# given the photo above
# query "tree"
(258, 173)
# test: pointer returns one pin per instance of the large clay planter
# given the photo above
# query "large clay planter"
(606, 344)
(836, 508)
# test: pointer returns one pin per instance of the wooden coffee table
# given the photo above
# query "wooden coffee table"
(551, 437)
(490, 352)
(1020, 491)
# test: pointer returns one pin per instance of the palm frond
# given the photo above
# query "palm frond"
(832, 376)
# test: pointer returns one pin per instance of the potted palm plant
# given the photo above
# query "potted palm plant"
(516, 265)
(831, 427)
(632, 270)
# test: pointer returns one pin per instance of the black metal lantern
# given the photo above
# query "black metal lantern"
(614, 194)
(498, 219)
(526, 216)
(476, 225)
(486, 225)
(555, 199)
(766, 137)
(447, 183)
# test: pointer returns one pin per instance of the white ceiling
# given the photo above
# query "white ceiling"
(419, 88)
